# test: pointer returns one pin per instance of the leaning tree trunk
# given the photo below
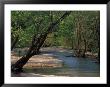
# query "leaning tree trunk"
(37, 42)
(14, 42)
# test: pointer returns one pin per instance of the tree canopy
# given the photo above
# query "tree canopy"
(76, 30)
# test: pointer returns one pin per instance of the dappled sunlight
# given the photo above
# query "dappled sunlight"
(57, 63)
(55, 43)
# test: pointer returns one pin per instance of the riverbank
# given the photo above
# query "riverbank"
(39, 61)
(57, 62)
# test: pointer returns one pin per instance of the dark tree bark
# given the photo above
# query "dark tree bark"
(14, 42)
(37, 42)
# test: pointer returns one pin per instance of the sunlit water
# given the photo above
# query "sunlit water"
(72, 66)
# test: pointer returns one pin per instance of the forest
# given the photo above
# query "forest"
(75, 31)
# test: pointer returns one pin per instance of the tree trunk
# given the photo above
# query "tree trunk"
(37, 42)
(78, 40)
(84, 48)
(14, 42)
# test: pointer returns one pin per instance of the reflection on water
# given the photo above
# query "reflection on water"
(73, 66)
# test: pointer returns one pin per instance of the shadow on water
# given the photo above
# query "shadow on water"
(73, 66)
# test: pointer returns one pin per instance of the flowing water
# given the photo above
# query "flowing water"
(72, 66)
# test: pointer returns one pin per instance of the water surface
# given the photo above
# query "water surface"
(72, 66)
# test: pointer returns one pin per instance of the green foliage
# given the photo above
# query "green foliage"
(80, 30)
